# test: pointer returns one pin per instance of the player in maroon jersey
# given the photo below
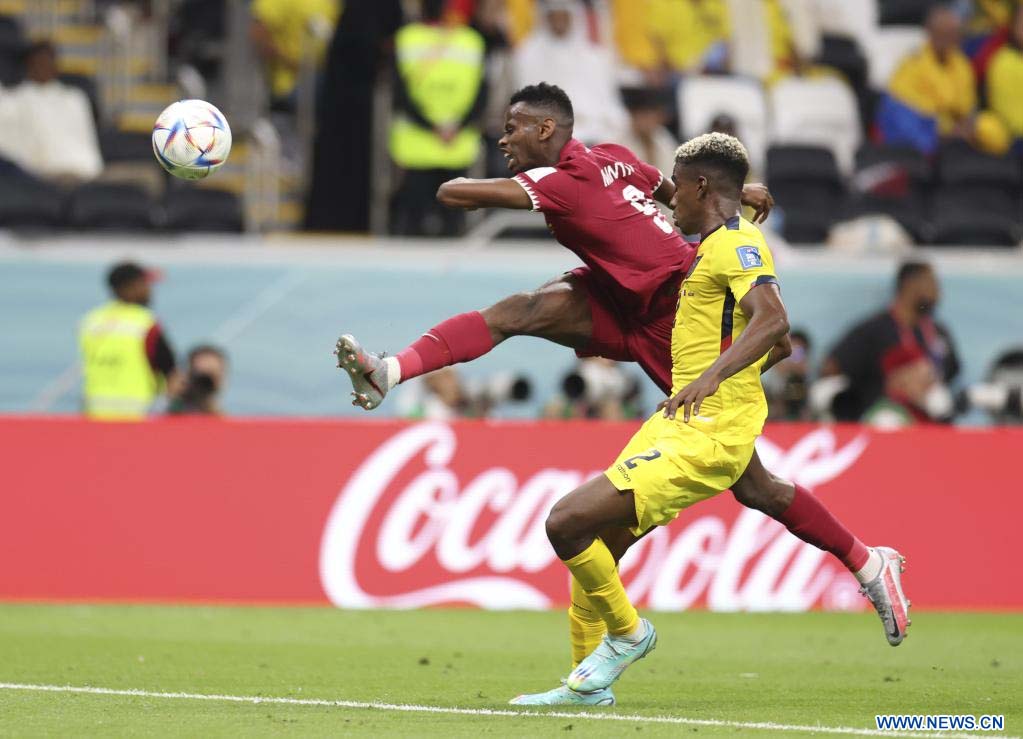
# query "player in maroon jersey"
(598, 202)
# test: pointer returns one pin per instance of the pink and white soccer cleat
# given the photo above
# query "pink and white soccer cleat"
(885, 592)
(367, 371)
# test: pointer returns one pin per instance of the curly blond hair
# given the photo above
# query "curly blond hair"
(719, 150)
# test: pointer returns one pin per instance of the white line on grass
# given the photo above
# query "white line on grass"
(411, 708)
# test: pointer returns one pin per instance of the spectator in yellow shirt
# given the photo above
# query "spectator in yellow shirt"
(1005, 80)
(672, 36)
(284, 31)
(937, 81)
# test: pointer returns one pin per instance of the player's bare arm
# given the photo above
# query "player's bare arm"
(768, 324)
(463, 192)
(754, 195)
(781, 350)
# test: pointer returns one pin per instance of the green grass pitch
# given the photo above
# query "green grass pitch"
(829, 670)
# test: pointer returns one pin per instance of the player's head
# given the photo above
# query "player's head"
(433, 10)
(40, 61)
(130, 282)
(538, 123)
(916, 287)
(709, 174)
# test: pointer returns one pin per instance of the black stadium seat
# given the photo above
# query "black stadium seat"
(983, 216)
(193, 208)
(28, 202)
(904, 12)
(111, 206)
(125, 146)
(12, 46)
(808, 190)
(894, 181)
(961, 164)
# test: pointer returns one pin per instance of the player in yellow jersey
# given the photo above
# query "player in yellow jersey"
(730, 314)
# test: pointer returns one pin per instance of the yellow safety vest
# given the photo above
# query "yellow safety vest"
(442, 69)
(119, 383)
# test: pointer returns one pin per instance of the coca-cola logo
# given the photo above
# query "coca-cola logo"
(407, 530)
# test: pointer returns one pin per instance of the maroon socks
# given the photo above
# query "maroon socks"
(813, 523)
(461, 338)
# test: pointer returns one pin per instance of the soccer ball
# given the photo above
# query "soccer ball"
(191, 139)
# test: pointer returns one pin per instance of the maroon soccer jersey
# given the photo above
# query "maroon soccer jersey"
(599, 203)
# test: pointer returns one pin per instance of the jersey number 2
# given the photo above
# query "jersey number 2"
(648, 457)
(646, 206)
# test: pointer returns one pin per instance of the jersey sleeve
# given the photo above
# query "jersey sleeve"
(744, 265)
(653, 175)
(550, 190)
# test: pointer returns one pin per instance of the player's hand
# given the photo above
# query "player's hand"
(758, 197)
(690, 397)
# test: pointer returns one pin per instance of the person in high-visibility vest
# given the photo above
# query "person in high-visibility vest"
(435, 135)
(126, 359)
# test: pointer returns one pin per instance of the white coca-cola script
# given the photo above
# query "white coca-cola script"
(435, 538)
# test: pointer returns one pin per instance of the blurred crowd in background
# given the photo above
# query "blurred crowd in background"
(894, 367)
(877, 122)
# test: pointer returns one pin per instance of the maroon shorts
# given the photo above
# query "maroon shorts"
(644, 339)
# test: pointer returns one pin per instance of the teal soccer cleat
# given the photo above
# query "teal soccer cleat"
(565, 696)
(608, 661)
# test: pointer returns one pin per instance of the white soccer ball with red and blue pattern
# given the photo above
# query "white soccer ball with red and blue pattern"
(191, 139)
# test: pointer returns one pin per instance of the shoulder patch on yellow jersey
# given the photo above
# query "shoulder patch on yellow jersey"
(749, 257)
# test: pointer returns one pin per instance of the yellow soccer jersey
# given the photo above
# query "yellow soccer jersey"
(729, 263)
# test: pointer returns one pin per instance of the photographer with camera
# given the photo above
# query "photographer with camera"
(207, 375)
(597, 388)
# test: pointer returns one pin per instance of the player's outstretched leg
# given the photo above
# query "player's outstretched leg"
(558, 311)
(807, 518)
(571, 527)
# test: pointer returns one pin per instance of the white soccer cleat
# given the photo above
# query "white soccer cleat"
(565, 696)
(367, 371)
(885, 592)
(608, 661)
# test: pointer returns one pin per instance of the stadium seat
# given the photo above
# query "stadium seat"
(857, 20)
(125, 146)
(961, 164)
(845, 54)
(916, 167)
(975, 215)
(28, 202)
(12, 45)
(887, 48)
(200, 209)
(111, 206)
(892, 180)
(808, 190)
(701, 98)
(12, 38)
(911, 12)
(816, 112)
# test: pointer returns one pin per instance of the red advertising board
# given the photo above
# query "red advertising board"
(392, 514)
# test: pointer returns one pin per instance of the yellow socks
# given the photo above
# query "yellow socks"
(586, 628)
(594, 569)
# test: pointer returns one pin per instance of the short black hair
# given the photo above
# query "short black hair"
(38, 47)
(549, 98)
(718, 151)
(909, 270)
(433, 10)
(123, 274)
(195, 351)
